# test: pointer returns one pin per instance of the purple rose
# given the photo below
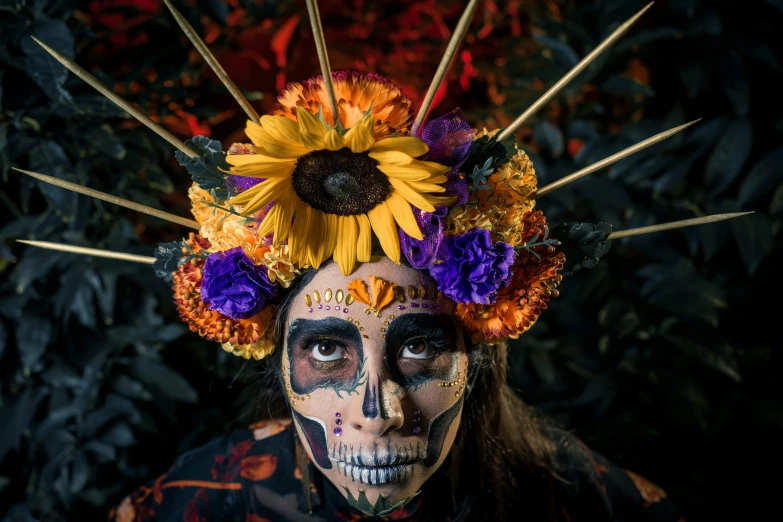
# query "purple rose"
(472, 268)
(234, 286)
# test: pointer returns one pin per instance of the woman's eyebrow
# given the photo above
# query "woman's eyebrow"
(329, 326)
(411, 325)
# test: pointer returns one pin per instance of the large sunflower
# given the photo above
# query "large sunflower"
(336, 186)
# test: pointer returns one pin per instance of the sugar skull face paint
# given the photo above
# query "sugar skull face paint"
(394, 377)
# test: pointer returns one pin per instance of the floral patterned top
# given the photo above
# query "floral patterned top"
(251, 475)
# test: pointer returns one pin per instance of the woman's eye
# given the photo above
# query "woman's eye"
(328, 351)
(416, 350)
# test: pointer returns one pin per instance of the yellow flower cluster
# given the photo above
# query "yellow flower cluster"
(225, 231)
(502, 209)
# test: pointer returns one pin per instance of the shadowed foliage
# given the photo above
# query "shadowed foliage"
(661, 356)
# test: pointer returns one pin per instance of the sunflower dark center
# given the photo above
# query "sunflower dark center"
(340, 182)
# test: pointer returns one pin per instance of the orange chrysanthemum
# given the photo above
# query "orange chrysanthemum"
(501, 210)
(356, 93)
(251, 337)
(520, 303)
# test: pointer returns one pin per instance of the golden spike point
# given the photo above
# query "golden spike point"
(456, 39)
(323, 58)
(89, 251)
(675, 224)
(205, 53)
(570, 75)
(112, 199)
(543, 191)
(124, 105)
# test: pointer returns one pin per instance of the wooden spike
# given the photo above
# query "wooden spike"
(675, 224)
(111, 199)
(127, 107)
(89, 251)
(323, 58)
(570, 75)
(543, 191)
(205, 53)
(445, 63)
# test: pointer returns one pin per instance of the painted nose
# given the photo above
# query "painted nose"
(380, 410)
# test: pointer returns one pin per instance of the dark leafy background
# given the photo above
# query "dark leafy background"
(664, 356)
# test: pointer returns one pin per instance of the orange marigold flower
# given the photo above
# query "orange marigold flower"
(505, 206)
(356, 93)
(520, 303)
(251, 337)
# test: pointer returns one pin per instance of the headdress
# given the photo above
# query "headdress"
(341, 170)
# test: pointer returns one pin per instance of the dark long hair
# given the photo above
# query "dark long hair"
(503, 461)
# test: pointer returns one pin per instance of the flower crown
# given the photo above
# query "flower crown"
(309, 188)
(339, 171)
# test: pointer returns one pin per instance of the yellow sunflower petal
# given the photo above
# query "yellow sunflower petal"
(430, 166)
(285, 206)
(269, 222)
(440, 201)
(360, 137)
(364, 243)
(425, 186)
(333, 140)
(407, 144)
(263, 170)
(345, 253)
(280, 129)
(414, 198)
(403, 214)
(391, 157)
(297, 245)
(404, 172)
(382, 222)
(311, 130)
(238, 160)
(315, 236)
(267, 192)
(332, 233)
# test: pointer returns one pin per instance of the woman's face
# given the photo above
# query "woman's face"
(376, 398)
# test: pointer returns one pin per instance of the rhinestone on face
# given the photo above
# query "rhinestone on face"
(316, 296)
(338, 296)
(308, 300)
(327, 307)
(310, 310)
(416, 430)
(349, 300)
(328, 295)
(422, 292)
(412, 291)
(338, 431)
(400, 307)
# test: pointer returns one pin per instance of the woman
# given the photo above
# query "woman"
(385, 367)
(397, 415)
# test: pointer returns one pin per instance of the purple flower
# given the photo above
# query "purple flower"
(234, 286)
(472, 268)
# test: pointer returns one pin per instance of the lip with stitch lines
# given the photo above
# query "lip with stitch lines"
(382, 465)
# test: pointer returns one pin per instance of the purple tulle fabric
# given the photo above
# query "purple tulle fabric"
(449, 139)
(237, 184)
(472, 269)
(234, 286)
